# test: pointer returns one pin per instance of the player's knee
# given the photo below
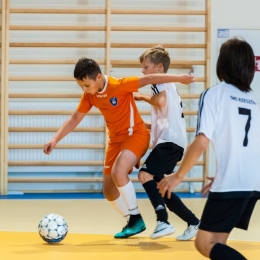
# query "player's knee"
(119, 177)
(108, 187)
(197, 243)
(144, 177)
(116, 174)
(109, 192)
(201, 245)
(141, 177)
(119, 170)
(106, 191)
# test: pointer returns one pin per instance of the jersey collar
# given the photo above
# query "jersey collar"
(105, 87)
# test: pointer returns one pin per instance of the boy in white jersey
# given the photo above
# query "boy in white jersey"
(229, 118)
(169, 139)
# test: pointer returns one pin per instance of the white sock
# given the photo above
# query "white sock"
(120, 205)
(129, 196)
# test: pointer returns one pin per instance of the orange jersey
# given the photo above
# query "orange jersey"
(116, 103)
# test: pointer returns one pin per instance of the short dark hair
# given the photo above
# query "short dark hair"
(157, 54)
(236, 64)
(86, 68)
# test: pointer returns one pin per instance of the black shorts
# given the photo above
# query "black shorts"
(162, 160)
(222, 215)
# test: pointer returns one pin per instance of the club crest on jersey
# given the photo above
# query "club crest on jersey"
(113, 101)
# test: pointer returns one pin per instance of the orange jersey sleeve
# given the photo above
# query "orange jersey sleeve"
(85, 104)
(130, 84)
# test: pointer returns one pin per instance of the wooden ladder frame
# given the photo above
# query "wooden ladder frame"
(6, 11)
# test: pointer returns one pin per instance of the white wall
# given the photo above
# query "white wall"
(236, 14)
(232, 14)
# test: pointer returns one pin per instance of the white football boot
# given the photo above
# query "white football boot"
(162, 229)
(189, 233)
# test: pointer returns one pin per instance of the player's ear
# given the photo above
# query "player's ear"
(160, 67)
(99, 76)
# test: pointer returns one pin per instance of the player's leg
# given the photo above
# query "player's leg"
(156, 199)
(123, 165)
(154, 166)
(113, 196)
(132, 151)
(174, 154)
(213, 245)
(109, 188)
(162, 160)
(175, 205)
(163, 227)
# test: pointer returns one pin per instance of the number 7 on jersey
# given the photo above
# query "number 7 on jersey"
(247, 112)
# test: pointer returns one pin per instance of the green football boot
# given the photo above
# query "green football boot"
(134, 226)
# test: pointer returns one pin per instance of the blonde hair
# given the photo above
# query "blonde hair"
(157, 54)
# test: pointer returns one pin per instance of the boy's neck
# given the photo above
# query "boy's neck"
(103, 83)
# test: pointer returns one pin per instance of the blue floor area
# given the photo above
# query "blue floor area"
(140, 195)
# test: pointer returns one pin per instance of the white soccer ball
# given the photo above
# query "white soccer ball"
(53, 228)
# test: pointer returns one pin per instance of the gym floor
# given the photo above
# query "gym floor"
(92, 223)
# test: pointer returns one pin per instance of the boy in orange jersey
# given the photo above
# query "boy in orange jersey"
(128, 137)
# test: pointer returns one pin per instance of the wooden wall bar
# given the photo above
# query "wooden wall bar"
(108, 44)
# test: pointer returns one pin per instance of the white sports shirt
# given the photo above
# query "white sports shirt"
(168, 123)
(230, 119)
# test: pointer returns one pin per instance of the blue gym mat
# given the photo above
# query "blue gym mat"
(64, 196)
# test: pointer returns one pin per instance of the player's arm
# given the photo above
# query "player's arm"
(164, 78)
(65, 129)
(158, 100)
(192, 155)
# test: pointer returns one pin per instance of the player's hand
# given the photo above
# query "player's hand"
(186, 79)
(138, 96)
(168, 183)
(47, 148)
(206, 188)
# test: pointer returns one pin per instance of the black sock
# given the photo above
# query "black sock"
(135, 216)
(156, 200)
(176, 206)
(224, 252)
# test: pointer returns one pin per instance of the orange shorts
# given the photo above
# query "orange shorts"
(138, 143)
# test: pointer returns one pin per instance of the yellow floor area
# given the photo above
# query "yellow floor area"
(29, 246)
(92, 224)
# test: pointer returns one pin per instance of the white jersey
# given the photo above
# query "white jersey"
(230, 118)
(168, 123)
